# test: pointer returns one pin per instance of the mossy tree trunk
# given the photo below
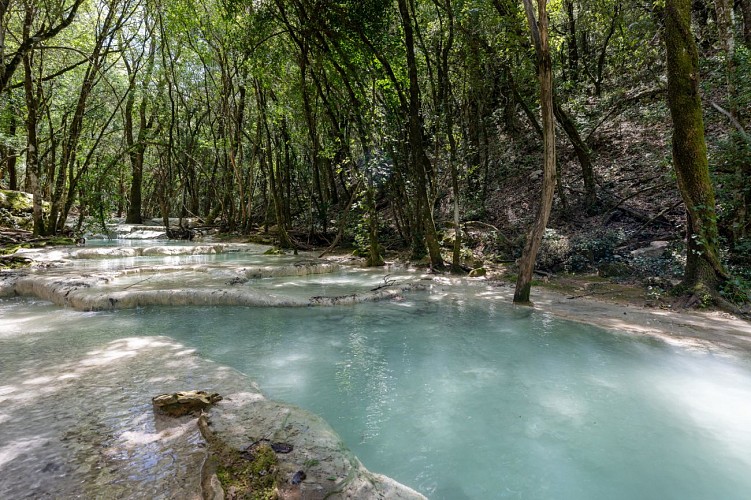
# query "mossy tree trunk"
(539, 30)
(704, 271)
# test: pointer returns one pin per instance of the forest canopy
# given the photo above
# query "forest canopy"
(386, 125)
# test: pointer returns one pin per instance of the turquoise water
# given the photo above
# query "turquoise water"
(465, 399)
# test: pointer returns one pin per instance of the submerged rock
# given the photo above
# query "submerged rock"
(178, 404)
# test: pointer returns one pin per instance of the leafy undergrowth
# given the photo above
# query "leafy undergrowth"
(631, 245)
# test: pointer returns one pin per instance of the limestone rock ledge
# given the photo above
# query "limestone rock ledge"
(97, 293)
(331, 470)
(110, 443)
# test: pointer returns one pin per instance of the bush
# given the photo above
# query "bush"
(554, 251)
(581, 253)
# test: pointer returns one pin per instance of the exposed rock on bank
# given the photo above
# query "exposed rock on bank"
(110, 444)
(130, 284)
(178, 404)
(310, 460)
(16, 209)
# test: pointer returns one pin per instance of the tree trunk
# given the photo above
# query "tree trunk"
(573, 47)
(32, 146)
(724, 12)
(746, 11)
(10, 155)
(704, 271)
(375, 257)
(445, 92)
(582, 154)
(137, 148)
(419, 159)
(545, 76)
(69, 158)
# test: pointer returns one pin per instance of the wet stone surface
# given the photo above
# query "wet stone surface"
(313, 462)
(105, 278)
(83, 426)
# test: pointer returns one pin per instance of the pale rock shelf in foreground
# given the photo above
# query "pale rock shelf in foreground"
(83, 427)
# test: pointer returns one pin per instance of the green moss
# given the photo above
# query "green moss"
(478, 272)
(53, 241)
(256, 237)
(252, 475)
(12, 262)
(274, 251)
(15, 201)
(60, 240)
(11, 249)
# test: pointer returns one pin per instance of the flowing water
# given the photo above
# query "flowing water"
(457, 394)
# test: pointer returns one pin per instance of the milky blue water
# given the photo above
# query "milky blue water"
(468, 399)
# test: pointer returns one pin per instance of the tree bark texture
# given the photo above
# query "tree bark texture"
(539, 31)
(32, 146)
(703, 266)
(582, 152)
(419, 159)
(746, 11)
(724, 12)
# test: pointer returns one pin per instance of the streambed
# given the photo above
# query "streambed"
(446, 387)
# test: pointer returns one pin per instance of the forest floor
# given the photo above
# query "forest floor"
(623, 308)
(619, 307)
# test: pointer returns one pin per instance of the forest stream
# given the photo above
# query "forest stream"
(436, 382)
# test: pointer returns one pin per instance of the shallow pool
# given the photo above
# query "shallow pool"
(459, 396)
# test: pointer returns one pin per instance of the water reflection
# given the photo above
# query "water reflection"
(460, 398)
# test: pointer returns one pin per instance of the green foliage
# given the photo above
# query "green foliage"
(361, 231)
(592, 248)
(731, 161)
(669, 264)
(737, 290)
(581, 253)
(554, 251)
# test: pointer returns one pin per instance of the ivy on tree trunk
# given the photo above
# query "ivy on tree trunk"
(704, 271)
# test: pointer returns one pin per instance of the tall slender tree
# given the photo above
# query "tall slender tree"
(539, 31)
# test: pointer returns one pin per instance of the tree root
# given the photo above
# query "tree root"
(701, 297)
